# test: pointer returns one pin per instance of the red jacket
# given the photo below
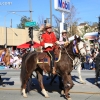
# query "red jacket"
(48, 38)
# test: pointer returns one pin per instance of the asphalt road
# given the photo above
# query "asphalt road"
(86, 91)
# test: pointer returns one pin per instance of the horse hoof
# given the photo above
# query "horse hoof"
(47, 96)
(44, 92)
(82, 82)
(62, 92)
(96, 84)
(69, 99)
(25, 96)
(3, 85)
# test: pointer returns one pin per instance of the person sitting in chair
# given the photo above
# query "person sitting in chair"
(48, 39)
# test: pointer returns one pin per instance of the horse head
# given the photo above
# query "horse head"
(88, 47)
(80, 46)
(81, 50)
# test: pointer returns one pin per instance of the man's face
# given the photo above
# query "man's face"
(49, 29)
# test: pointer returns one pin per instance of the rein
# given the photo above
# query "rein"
(69, 55)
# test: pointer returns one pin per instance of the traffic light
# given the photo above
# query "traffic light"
(45, 21)
(65, 26)
(31, 32)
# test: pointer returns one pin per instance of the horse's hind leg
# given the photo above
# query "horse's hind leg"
(40, 80)
(24, 83)
(79, 74)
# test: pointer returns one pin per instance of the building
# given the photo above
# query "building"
(14, 37)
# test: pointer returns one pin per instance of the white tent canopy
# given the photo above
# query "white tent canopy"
(91, 34)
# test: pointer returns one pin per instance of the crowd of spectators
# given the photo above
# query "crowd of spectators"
(15, 59)
(89, 63)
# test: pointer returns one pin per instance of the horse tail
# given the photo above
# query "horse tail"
(23, 69)
(26, 67)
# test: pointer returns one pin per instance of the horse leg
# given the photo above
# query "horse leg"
(96, 79)
(66, 86)
(40, 80)
(79, 73)
(61, 86)
(24, 85)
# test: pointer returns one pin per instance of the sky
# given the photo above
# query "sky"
(87, 10)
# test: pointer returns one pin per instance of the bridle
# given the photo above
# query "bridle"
(81, 48)
(78, 53)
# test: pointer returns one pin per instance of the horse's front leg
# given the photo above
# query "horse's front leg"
(40, 80)
(96, 78)
(66, 86)
(79, 73)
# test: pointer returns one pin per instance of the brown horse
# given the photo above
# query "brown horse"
(64, 66)
(6, 57)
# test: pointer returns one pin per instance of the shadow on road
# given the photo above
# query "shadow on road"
(5, 80)
(34, 85)
(92, 80)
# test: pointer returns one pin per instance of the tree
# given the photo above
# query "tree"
(22, 22)
(26, 19)
(71, 20)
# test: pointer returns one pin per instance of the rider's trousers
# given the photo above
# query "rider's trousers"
(52, 58)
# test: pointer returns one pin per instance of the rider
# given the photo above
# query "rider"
(47, 42)
(64, 38)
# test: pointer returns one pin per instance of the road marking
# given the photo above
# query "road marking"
(55, 91)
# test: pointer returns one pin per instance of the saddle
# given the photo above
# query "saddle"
(44, 58)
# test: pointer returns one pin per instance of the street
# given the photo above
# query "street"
(86, 91)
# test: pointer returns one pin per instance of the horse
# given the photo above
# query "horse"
(5, 59)
(30, 63)
(77, 63)
(6, 56)
(97, 68)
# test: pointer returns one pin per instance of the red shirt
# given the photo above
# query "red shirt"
(48, 38)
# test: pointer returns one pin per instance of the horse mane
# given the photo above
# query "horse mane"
(7, 52)
(69, 46)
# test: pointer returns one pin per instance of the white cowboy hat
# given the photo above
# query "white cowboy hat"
(48, 25)
(64, 31)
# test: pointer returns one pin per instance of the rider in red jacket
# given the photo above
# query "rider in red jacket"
(47, 42)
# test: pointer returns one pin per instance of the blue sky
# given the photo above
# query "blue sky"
(87, 10)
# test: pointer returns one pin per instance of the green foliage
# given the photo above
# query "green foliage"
(22, 22)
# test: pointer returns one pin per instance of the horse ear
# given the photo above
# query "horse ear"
(78, 39)
(75, 37)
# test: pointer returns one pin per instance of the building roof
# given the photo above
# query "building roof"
(82, 24)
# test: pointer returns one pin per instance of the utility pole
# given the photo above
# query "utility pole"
(51, 12)
(99, 25)
(11, 23)
(30, 9)
(30, 6)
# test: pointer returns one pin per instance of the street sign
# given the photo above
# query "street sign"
(29, 24)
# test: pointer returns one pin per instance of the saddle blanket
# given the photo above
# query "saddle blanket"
(46, 60)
